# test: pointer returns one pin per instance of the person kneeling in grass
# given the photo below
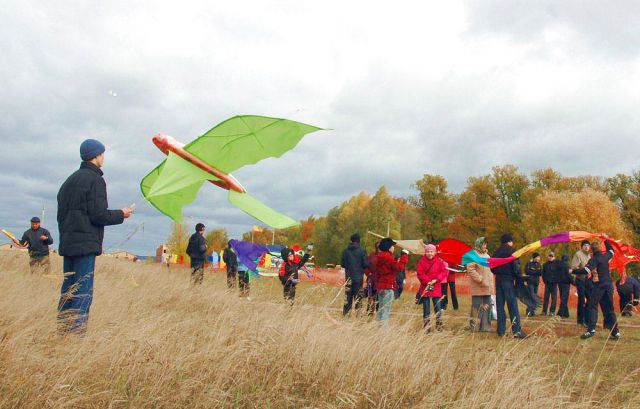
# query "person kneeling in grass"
(289, 271)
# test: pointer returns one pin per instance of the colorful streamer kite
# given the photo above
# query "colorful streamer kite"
(457, 252)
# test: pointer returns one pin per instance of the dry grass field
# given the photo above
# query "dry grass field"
(154, 341)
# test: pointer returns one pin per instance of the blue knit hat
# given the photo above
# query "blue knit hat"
(91, 148)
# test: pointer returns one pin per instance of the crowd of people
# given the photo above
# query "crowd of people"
(379, 277)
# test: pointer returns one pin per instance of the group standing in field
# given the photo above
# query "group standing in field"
(379, 277)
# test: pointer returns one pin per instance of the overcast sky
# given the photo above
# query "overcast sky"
(442, 87)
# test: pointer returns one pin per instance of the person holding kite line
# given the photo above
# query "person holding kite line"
(564, 280)
(354, 261)
(481, 288)
(82, 215)
(549, 277)
(431, 271)
(289, 271)
(38, 240)
(386, 268)
(197, 250)
(505, 276)
(597, 271)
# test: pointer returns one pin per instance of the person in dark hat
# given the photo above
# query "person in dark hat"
(231, 262)
(601, 291)
(386, 268)
(37, 239)
(532, 272)
(550, 280)
(506, 275)
(579, 261)
(289, 271)
(564, 280)
(354, 261)
(82, 215)
(197, 250)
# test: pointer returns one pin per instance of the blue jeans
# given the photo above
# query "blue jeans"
(506, 293)
(385, 298)
(76, 293)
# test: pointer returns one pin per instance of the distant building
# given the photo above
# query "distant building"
(121, 255)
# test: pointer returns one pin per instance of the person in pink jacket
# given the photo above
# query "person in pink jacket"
(431, 271)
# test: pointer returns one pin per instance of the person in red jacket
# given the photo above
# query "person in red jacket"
(370, 273)
(385, 281)
(431, 271)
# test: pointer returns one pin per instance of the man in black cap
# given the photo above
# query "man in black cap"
(82, 214)
(354, 261)
(231, 261)
(550, 279)
(506, 275)
(196, 250)
(38, 240)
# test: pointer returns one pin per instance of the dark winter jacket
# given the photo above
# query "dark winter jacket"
(83, 213)
(533, 271)
(509, 271)
(197, 249)
(230, 260)
(37, 248)
(599, 262)
(354, 261)
(561, 272)
(630, 290)
(549, 272)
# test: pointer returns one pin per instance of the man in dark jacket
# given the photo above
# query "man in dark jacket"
(601, 291)
(82, 214)
(629, 294)
(354, 261)
(38, 240)
(532, 272)
(231, 261)
(564, 280)
(550, 284)
(506, 290)
(197, 249)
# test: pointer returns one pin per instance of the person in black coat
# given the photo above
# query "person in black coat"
(550, 284)
(38, 240)
(629, 294)
(197, 250)
(231, 261)
(82, 215)
(601, 291)
(564, 280)
(505, 289)
(354, 261)
(533, 272)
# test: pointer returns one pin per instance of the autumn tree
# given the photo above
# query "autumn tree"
(382, 217)
(178, 238)
(436, 205)
(588, 210)
(624, 191)
(216, 239)
(476, 211)
(510, 188)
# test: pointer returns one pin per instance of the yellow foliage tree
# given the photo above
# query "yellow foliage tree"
(587, 210)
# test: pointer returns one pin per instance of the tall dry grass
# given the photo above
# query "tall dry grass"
(154, 341)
